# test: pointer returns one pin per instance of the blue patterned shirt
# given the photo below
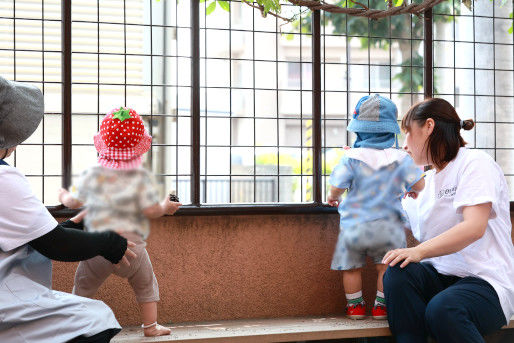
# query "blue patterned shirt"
(373, 192)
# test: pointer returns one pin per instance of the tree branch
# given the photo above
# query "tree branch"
(261, 8)
(358, 3)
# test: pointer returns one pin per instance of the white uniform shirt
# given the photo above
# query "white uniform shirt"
(472, 178)
(22, 216)
(30, 311)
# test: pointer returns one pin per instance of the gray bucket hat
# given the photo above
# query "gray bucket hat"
(21, 111)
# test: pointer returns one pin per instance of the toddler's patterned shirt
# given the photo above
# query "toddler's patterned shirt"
(115, 199)
(375, 184)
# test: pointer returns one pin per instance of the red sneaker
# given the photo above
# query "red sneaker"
(379, 312)
(357, 311)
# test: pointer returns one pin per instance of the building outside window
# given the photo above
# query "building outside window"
(256, 130)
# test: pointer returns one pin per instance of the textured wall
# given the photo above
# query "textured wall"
(227, 267)
(223, 267)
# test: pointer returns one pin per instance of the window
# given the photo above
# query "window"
(473, 70)
(242, 122)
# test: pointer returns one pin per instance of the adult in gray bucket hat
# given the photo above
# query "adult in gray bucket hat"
(30, 311)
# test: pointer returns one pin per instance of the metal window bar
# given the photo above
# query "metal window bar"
(196, 207)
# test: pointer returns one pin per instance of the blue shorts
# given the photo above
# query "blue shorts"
(373, 239)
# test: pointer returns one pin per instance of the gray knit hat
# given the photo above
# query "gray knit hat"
(21, 111)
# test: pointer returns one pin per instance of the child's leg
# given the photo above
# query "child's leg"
(381, 269)
(145, 287)
(379, 307)
(149, 315)
(90, 275)
(352, 280)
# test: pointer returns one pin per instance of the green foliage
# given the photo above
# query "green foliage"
(401, 26)
(224, 4)
(212, 6)
(411, 78)
(273, 5)
(332, 158)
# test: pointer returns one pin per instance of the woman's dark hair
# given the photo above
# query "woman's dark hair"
(445, 140)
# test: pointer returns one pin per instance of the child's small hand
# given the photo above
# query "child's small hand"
(411, 194)
(170, 207)
(62, 192)
(332, 201)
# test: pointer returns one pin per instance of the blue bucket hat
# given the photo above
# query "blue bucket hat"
(375, 114)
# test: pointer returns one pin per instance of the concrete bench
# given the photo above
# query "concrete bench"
(267, 330)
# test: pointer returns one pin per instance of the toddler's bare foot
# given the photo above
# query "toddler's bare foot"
(156, 330)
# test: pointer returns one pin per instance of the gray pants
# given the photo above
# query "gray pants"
(373, 239)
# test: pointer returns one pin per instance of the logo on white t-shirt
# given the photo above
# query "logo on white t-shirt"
(447, 192)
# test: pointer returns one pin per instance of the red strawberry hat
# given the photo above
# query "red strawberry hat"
(122, 139)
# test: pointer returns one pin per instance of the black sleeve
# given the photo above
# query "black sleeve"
(72, 225)
(70, 245)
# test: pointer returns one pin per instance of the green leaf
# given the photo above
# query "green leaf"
(270, 5)
(398, 2)
(224, 4)
(202, 1)
(289, 36)
(211, 8)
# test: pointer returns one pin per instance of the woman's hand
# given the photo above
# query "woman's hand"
(128, 253)
(406, 255)
(79, 217)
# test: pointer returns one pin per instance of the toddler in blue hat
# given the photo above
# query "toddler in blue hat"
(376, 175)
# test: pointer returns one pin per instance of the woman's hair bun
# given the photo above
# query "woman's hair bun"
(468, 124)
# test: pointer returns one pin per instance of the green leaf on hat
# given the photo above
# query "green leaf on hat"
(121, 114)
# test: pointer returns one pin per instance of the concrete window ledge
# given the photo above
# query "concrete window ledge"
(267, 330)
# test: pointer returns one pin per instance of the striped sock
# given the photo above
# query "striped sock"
(380, 300)
(354, 298)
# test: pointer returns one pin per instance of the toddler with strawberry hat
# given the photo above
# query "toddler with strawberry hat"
(120, 195)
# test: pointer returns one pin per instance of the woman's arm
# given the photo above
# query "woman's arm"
(70, 245)
(471, 229)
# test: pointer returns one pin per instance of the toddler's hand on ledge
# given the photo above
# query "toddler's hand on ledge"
(333, 201)
(170, 207)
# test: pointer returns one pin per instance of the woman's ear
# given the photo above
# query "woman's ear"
(429, 126)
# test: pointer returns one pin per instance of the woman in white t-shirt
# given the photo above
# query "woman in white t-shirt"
(458, 284)
(30, 311)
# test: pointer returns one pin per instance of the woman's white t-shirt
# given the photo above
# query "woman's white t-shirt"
(23, 217)
(472, 178)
